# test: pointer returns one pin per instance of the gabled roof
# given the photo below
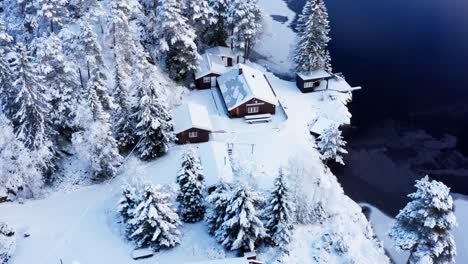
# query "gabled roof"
(243, 83)
(212, 62)
(191, 116)
(314, 75)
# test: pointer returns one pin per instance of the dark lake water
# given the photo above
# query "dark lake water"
(411, 57)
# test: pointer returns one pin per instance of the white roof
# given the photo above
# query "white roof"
(338, 84)
(216, 162)
(191, 116)
(240, 260)
(314, 75)
(221, 51)
(320, 124)
(240, 88)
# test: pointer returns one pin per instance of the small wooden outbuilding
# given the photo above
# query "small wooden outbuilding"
(192, 124)
(214, 62)
(312, 81)
(247, 91)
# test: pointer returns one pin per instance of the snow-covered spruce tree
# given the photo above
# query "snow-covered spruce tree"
(154, 122)
(7, 243)
(217, 35)
(7, 94)
(122, 37)
(124, 127)
(200, 15)
(176, 39)
(95, 142)
(218, 202)
(192, 188)
(62, 80)
(279, 213)
(52, 11)
(242, 228)
(18, 169)
(127, 204)
(95, 65)
(30, 121)
(311, 52)
(244, 20)
(331, 145)
(155, 221)
(423, 226)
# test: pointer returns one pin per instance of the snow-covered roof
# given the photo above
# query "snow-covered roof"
(216, 162)
(212, 61)
(240, 260)
(338, 84)
(243, 83)
(221, 51)
(314, 75)
(191, 116)
(320, 124)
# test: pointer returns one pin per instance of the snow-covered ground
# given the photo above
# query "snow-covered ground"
(382, 223)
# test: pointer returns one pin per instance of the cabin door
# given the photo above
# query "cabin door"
(213, 81)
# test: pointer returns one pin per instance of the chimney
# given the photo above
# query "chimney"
(240, 71)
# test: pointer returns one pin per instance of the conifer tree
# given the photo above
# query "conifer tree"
(244, 20)
(62, 81)
(19, 170)
(279, 213)
(218, 202)
(330, 144)
(30, 120)
(176, 39)
(241, 229)
(200, 15)
(52, 11)
(191, 182)
(311, 52)
(423, 226)
(7, 93)
(217, 36)
(124, 127)
(154, 122)
(127, 204)
(155, 222)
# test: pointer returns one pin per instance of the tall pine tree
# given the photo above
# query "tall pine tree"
(311, 52)
(218, 202)
(176, 39)
(244, 20)
(155, 222)
(192, 188)
(154, 122)
(53, 12)
(279, 213)
(7, 93)
(242, 228)
(423, 226)
(30, 121)
(217, 36)
(331, 145)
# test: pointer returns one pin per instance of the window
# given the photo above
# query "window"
(193, 134)
(308, 84)
(253, 109)
(207, 79)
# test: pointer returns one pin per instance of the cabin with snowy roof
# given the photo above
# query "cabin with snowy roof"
(246, 91)
(192, 124)
(214, 62)
(312, 81)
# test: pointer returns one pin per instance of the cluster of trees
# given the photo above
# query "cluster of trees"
(177, 30)
(7, 242)
(88, 72)
(236, 215)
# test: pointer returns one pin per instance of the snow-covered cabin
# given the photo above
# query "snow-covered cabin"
(311, 81)
(214, 62)
(192, 124)
(247, 91)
